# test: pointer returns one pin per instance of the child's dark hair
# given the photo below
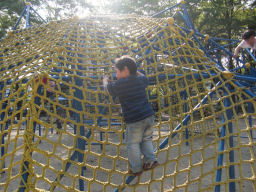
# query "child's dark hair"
(248, 34)
(127, 61)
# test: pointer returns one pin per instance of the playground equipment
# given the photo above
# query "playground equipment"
(61, 132)
(27, 9)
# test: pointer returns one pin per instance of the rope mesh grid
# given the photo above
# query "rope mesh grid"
(61, 132)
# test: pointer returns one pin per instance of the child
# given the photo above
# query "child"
(137, 112)
(248, 41)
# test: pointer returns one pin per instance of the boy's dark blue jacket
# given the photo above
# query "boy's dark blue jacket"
(132, 96)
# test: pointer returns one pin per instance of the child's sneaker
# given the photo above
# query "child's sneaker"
(135, 174)
(150, 165)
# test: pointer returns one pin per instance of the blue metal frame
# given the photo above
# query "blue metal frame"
(245, 78)
(227, 117)
(2, 128)
(27, 10)
(226, 100)
(250, 110)
(78, 106)
(184, 123)
(185, 111)
(251, 54)
(37, 14)
(186, 18)
(21, 15)
(25, 167)
(27, 17)
(167, 9)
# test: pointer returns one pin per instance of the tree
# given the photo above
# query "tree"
(253, 4)
(248, 16)
(220, 18)
(6, 21)
(15, 6)
(61, 9)
(10, 11)
(142, 7)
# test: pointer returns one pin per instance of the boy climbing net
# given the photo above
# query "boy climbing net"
(137, 111)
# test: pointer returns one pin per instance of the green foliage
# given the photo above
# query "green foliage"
(6, 21)
(13, 6)
(61, 9)
(142, 7)
(218, 18)
(10, 11)
(222, 18)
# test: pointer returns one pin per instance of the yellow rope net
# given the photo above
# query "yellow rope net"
(61, 132)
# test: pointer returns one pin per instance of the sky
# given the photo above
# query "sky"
(98, 4)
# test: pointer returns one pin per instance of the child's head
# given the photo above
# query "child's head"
(125, 66)
(249, 37)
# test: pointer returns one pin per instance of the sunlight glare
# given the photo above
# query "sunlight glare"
(99, 7)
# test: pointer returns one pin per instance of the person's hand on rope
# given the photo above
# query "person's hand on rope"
(106, 80)
(235, 56)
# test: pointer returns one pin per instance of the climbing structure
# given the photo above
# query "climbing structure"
(61, 132)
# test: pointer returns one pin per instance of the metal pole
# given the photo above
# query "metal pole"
(80, 129)
(22, 14)
(37, 14)
(27, 16)
(188, 21)
(251, 54)
(4, 105)
(185, 120)
(185, 111)
(227, 117)
(169, 8)
(250, 110)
